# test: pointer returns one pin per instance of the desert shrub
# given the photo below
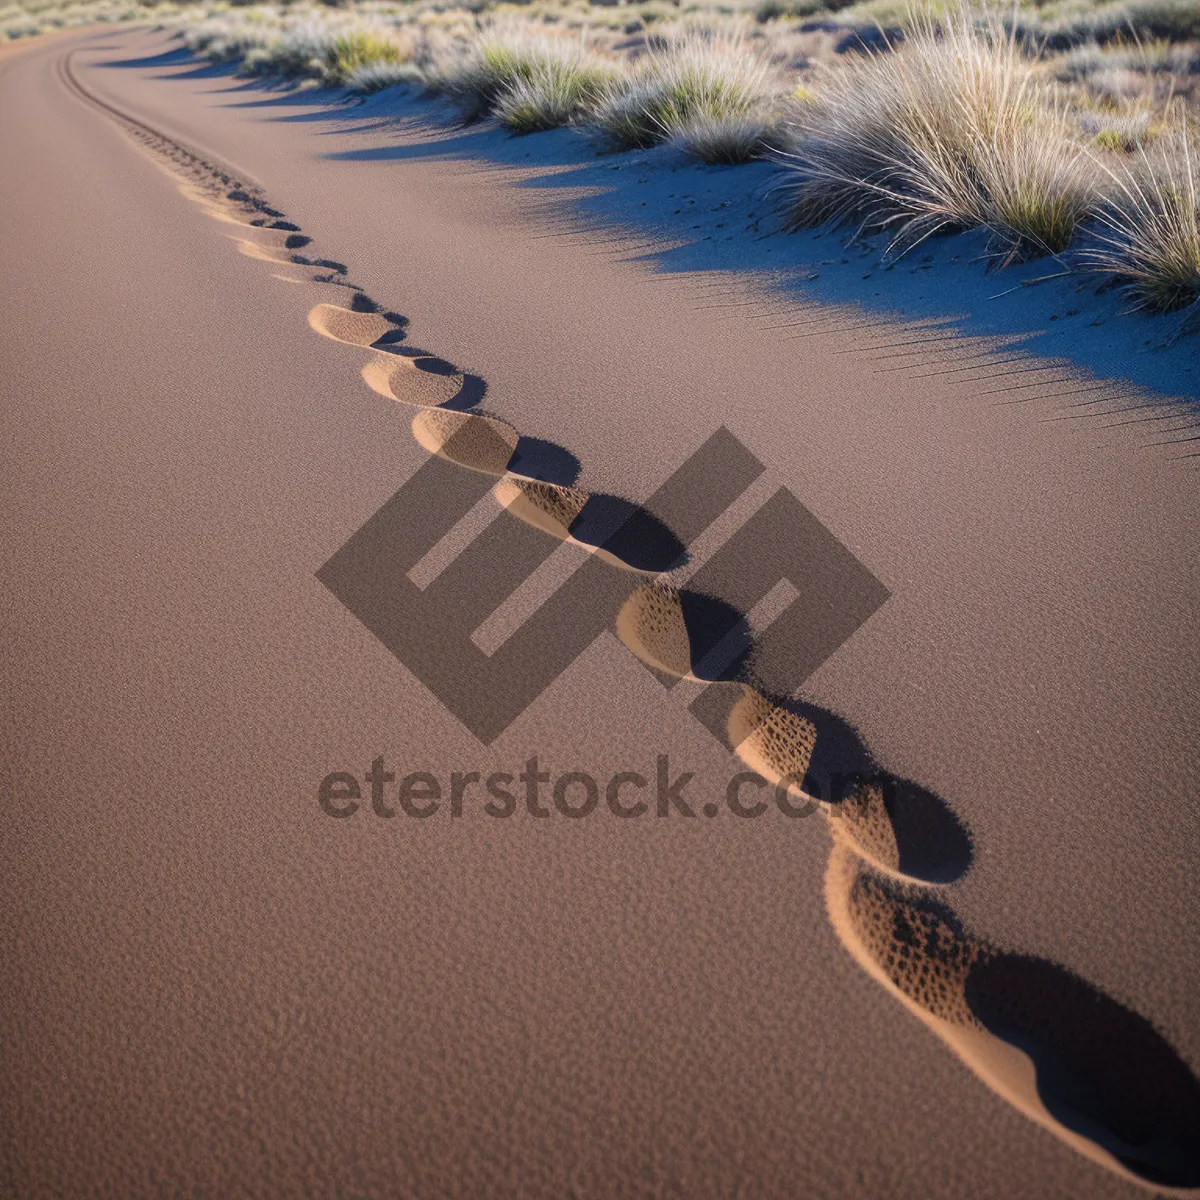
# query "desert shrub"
(693, 83)
(375, 76)
(361, 48)
(950, 132)
(1118, 132)
(1148, 229)
(555, 92)
(729, 140)
(502, 59)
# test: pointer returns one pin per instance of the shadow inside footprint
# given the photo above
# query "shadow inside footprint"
(329, 265)
(539, 459)
(719, 636)
(471, 390)
(933, 844)
(1102, 1070)
(432, 365)
(392, 336)
(470, 393)
(628, 532)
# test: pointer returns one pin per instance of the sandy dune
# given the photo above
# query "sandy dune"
(218, 986)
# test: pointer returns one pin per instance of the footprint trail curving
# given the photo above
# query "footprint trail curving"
(1079, 1065)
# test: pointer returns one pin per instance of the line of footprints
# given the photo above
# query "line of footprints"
(1083, 1067)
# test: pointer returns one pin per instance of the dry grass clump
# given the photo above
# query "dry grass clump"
(950, 132)
(726, 140)
(359, 48)
(375, 76)
(554, 75)
(556, 92)
(705, 93)
(1141, 21)
(226, 41)
(302, 50)
(1118, 76)
(1118, 132)
(331, 50)
(1148, 234)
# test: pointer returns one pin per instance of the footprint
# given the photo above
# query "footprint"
(1083, 1067)
(548, 506)
(864, 826)
(651, 625)
(477, 442)
(612, 529)
(263, 253)
(684, 633)
(403, 379)
(344, 325)
(772, 741)
(900, 828)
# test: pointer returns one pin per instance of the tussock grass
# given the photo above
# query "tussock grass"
(1118, 132)
(556, 92)
(225, 41)
(1045, 128)
(694, 89)
(302, 50)
(1141, 21)
(1037, 188)
(329, 50)
(362, 48)
(1148, 235)
(549, 71)
(727, 140)
(375, 76)
(950, 132)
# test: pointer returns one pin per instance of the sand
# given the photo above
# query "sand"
(218, 987)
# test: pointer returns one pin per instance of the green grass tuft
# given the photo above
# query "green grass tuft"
(1149, 229)
(691, 84)
(555, 92)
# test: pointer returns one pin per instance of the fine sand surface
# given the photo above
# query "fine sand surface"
(982, 983)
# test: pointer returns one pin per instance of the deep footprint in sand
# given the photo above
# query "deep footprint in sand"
(548, 506)
(651, 625)
(270, 254)
(347, 326)
(775, 743)
(403, 379)
(1090, 1071)
(477, 442)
